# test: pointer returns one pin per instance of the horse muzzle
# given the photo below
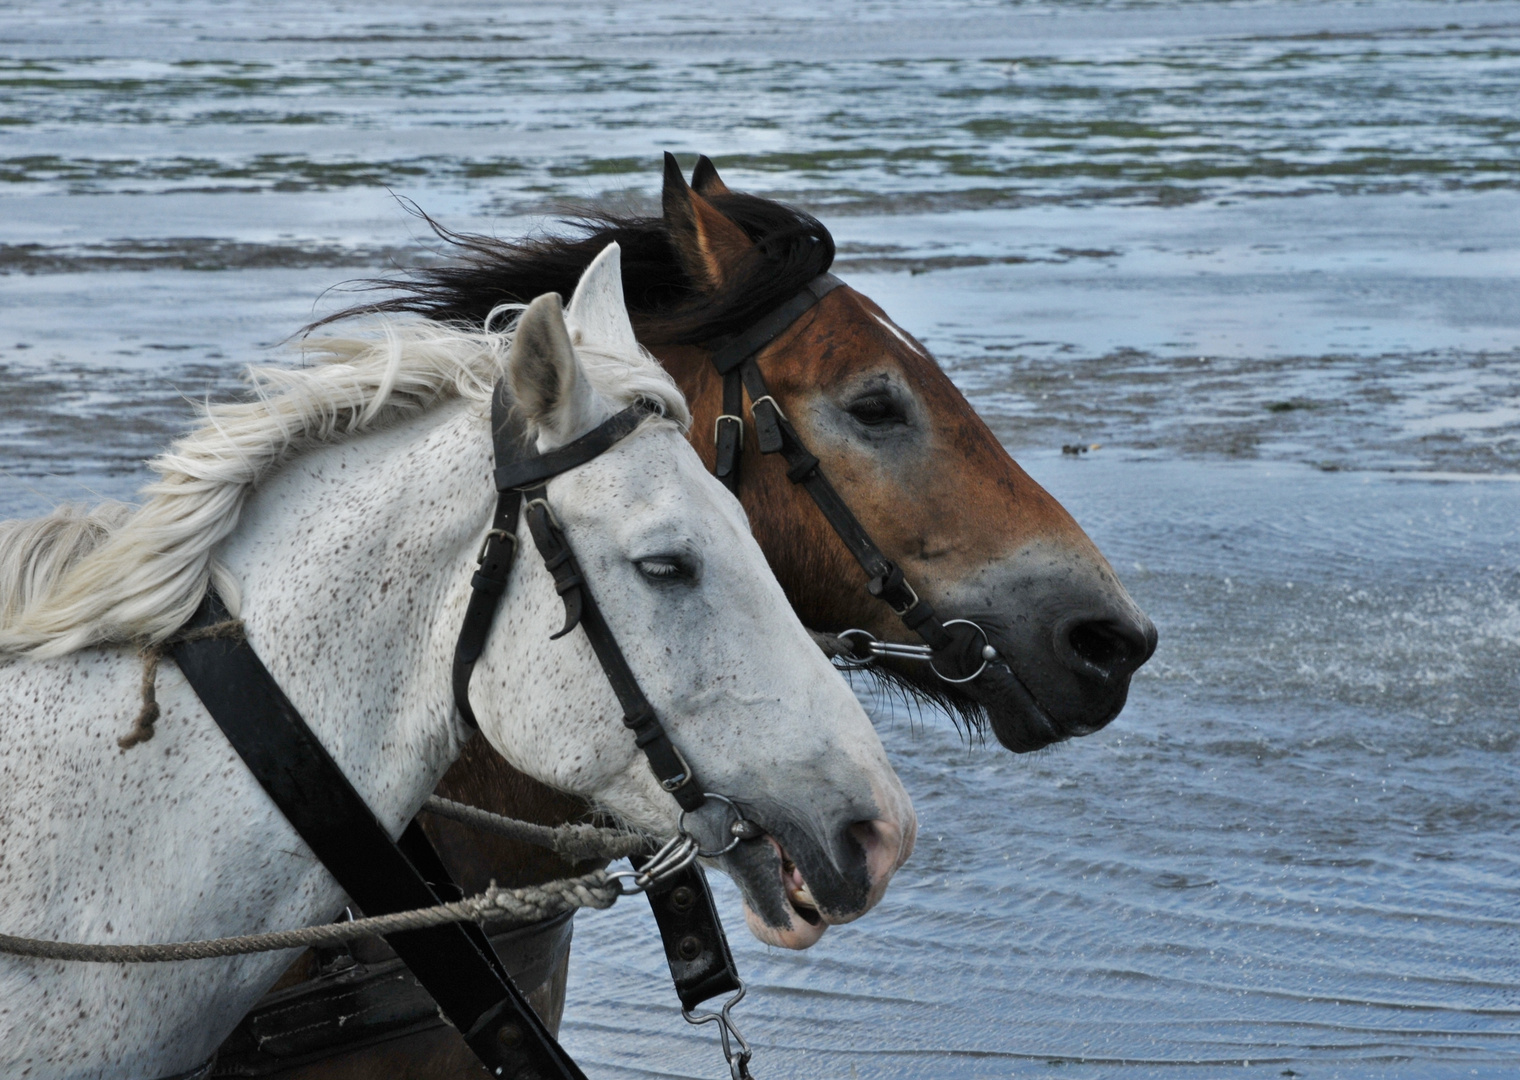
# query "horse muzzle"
(795, 886)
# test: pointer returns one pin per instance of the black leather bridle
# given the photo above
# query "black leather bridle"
(701, 964)
(455, 963)
(954, 643)
(523, 480)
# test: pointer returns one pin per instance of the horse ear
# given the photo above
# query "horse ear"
(705, 180)
(545, 375)
(709, 245)
(597, 314)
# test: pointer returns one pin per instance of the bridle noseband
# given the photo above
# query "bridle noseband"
(734, 359)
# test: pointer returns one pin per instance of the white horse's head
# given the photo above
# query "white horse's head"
(748, 699)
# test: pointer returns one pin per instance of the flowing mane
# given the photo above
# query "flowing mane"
(666, 308)
(118, 574)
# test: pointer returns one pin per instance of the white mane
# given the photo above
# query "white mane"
(78, 578)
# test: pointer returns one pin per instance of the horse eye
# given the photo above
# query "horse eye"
(666, 568)
(875, 410)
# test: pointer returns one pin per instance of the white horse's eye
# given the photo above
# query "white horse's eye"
(665, 568)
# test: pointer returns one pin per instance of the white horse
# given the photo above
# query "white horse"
(338, 513)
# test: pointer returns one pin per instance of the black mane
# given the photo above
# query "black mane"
(667, 308)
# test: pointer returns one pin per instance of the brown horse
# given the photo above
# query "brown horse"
(931, 484)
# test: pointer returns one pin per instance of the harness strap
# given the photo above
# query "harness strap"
(728, 432)
(497, 554)
(522, 473)
(742, 346)
(696, 949)
(454, 962)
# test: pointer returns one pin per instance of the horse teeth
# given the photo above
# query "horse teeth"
(802, 896)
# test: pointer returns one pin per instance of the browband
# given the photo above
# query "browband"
(539, 470)
(757, 337)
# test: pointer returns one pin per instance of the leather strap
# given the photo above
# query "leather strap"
(497, 554)
(649, 735)
(774, 434)
(523, 473)
(514, 471)
(454, 962)
(728, 432)
(701, 964)
(731, 353)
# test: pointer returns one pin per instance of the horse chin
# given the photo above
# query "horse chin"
(799, 935)
(1019, 721)
(1016, 717)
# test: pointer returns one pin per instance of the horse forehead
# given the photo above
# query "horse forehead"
(850, 336)
(970, 472)
(654, 481)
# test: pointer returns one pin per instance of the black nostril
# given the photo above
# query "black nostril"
(1107, 649)
(1098, 643)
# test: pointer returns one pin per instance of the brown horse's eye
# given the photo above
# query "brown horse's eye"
(875, 410)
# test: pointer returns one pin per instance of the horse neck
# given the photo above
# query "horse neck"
(354, 563)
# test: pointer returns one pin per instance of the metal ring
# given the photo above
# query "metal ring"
(854, 663)
(985, 661)
(681, 825)
(619, 876)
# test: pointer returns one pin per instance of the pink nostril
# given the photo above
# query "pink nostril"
(885, 850)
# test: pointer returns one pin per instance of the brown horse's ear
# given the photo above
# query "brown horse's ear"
(705, 180)
(708, 243)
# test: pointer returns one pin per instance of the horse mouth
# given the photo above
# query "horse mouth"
(779, 906)
(1018, 719)
(795, 887)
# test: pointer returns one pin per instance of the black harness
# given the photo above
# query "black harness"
(454, 962)
(701, 965)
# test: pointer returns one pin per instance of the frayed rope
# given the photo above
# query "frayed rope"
(147, 716)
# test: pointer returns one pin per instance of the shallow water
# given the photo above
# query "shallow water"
(1263, 255)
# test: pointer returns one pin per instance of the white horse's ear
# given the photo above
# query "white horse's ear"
(546, 376)
(597, 314)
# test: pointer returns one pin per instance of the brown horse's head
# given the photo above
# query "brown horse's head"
(936, 491)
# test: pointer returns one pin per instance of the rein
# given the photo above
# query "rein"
(735, 360)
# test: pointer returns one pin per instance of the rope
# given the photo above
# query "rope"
(531, 903)
(147, 716)
(832, 645)
(574, 842)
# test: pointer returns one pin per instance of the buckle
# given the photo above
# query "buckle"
(890, 587)
(753, 405)
(495, 534)
(733, 419)
(907, 607)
